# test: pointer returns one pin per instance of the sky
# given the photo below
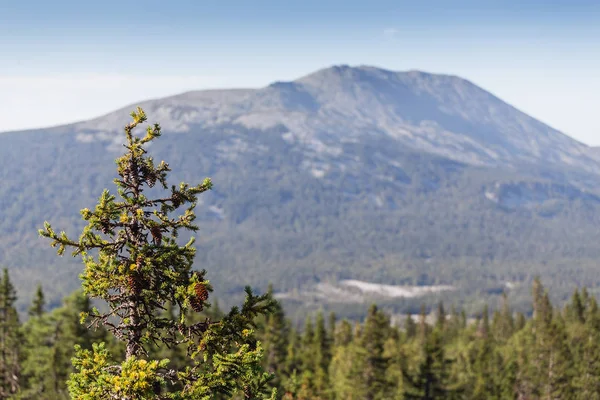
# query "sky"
(63, 61)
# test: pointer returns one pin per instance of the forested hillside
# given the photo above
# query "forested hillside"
(349, 173)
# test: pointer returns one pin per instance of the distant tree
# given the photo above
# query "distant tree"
(359, 369)
(134, 263)
(38, 304)
(10, 340)
(432, 379)
(48, 346)
(274, 337)
(441, 316)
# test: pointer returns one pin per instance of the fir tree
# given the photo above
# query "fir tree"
(410, 327)
(441, 316)
(322, 357)
(275, 340)
(49, 346)
(134, 263)
(343, 334)
(433, 379)
(38, 304)
(10, 339)
(370, 363)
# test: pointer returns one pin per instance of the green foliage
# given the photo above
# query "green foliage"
(38, 304)
(10, 338)
(49, 340)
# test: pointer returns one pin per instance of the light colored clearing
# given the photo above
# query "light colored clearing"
(395, 291)
(355, 291)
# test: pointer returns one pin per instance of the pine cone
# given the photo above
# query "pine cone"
(177, 199)
(201, 291)
(156, 235)
(196, 303)
(135, 284)
(151, 179)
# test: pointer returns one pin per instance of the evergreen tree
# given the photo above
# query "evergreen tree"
(10, 339)
(503, 323)
(487, 366)
(321, 358)
(134, 263)
(343, 367)
(275, 340)
(343, 334)
(38, 304)
(410, 327)
(576, 309)
(586, 381)
(371, 364)
(441, 316)
(49, 346)
(433, 379)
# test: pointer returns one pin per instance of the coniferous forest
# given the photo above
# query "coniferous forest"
(553, 354)
(143, 326)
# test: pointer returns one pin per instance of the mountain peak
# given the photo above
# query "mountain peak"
(441, 114)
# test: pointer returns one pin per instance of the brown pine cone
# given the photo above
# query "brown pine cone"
(196, 303)
(201, 291)
(135, 284)
(156, 235)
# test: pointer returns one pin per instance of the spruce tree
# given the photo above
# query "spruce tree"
(275, 341)
(10, 340)
(38, 304)
(410, 327)
(49, 340)
(432, 379)
(134, 263)
(364, 374)
(440, 322)
(321, 358)
(586, 381)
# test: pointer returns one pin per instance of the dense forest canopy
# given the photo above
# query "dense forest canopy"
(437, 354)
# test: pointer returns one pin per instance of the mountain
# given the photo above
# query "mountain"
(346, 174)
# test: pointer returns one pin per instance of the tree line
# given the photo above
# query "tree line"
(552, 354)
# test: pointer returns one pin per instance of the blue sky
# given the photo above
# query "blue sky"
(63, 61)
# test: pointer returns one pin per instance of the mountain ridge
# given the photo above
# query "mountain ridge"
(456, 127)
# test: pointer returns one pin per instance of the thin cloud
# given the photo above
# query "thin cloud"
(390, 32)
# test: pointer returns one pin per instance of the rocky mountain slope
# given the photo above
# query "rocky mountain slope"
(349, 173)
